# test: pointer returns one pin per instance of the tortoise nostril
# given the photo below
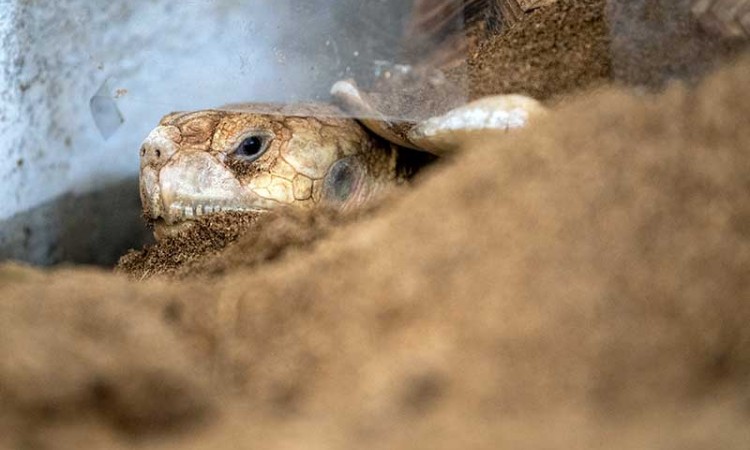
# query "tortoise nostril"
(159, 146)
(152, 154)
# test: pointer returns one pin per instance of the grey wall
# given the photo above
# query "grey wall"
(59, 176)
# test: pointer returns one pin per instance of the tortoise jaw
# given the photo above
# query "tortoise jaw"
(184, 212)
(181, 217)
(188, 187)
(184, 218)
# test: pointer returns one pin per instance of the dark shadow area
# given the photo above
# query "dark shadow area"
(94, 228)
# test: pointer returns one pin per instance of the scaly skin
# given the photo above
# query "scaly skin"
(191, 165)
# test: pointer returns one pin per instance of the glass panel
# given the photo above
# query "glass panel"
(285, 51)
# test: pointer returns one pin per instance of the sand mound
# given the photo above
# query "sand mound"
(554, 51)
(579, 283)
(209, 248)
(79, 360)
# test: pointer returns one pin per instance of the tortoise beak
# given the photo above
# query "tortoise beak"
(194, 184)
(180, 186)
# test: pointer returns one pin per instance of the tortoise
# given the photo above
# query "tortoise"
(257, 157)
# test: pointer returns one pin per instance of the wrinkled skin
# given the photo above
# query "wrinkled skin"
(195, 164)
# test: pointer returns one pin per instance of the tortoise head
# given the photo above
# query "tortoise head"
(206, 162)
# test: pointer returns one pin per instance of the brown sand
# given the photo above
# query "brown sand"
(245, 240)
(553, 51)
(578, 285)
(207, 237)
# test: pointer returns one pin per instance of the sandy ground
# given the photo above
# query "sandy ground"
(580, 284)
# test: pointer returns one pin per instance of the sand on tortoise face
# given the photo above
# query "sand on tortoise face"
(579, 284)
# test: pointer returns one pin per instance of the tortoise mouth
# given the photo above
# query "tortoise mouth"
(188, 211)
(181, 217)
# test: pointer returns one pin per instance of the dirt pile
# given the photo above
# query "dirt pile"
(79, 360)
(207, 237)
(554, 50)
(210, 247)
(581, 282)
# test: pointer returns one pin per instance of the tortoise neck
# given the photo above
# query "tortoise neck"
(410, 162)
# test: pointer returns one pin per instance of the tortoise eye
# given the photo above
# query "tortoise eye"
(251, 148)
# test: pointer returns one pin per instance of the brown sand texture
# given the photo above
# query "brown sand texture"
(579, 284)
(553, 51)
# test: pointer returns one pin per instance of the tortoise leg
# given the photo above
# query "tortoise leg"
(443, 134)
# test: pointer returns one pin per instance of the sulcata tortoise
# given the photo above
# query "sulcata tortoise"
(257, 157)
